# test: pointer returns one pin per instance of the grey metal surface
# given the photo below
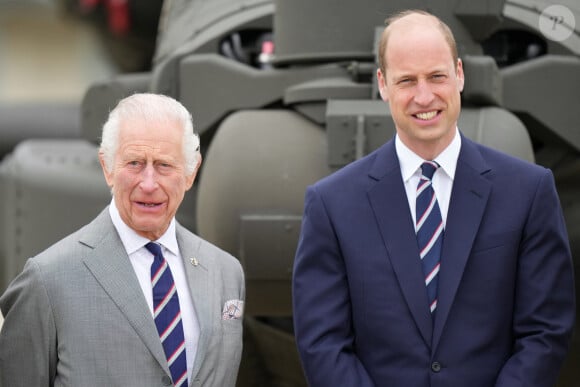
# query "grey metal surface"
(244, 191)
(198, 26)
(21, 120)
(101, 97)
(268, 133)
(49, 188)
(551, 94)
(327, 31)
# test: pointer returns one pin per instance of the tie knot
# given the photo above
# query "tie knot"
(154, 249)
(428, 168)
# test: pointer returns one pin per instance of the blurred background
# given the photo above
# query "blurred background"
(47, 54)
(51, 51)
(282, 93)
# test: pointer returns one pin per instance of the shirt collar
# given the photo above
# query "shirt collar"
(133, 241)
(410, 162)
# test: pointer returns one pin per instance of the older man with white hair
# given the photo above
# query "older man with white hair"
(132, 298)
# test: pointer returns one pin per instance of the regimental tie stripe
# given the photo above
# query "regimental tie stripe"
(429, 225)
(169, 329)
(167, 316)
(182, 381)
(434, 239)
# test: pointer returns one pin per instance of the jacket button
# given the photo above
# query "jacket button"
(435, 366)
(166, 380)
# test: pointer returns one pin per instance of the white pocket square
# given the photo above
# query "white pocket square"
(233, 310)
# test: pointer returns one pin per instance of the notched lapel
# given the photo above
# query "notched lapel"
(110, 265)
(466, 208)
(389, 202)
(198, 273)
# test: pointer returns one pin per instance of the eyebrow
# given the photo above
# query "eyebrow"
(411, 75)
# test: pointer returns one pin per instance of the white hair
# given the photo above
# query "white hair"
(150, 107)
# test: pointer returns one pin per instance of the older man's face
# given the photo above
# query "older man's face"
(148, 177)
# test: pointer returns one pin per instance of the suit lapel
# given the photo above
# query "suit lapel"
(110, 265)
(389, 202)
(466, 207)
(198, 278)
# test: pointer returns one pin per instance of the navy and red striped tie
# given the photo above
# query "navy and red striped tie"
(429, 225)
(167, 315)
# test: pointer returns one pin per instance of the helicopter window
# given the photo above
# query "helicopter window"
(246, 46)
(508, 47)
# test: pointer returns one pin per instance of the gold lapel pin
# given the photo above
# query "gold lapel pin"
(194, 261)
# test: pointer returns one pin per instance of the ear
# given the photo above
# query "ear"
(191, 178)
(382, 83)
(108, 175)
(460, 75)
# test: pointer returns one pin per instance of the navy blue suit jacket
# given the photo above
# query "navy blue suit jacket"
(506, 302)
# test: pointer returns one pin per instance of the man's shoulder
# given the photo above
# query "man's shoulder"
(68, 249)
(209, 254)
(505, 163)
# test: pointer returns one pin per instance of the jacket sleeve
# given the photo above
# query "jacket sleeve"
(544, 309)
(321, 304)
(28, 336)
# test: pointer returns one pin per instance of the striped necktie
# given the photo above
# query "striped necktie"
(429, 225)
(167, 315)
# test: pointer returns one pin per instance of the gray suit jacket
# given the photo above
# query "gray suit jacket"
(76, 316)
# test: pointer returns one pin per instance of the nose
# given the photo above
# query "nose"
(148, 179)
(423, 95)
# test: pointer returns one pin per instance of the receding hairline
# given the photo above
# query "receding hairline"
(393, 19)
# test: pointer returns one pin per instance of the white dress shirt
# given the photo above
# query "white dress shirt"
(442, 179)
(141, 259)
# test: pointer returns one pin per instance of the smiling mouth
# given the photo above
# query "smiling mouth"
(425, 116)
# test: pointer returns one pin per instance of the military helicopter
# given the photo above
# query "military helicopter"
(282, 94)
